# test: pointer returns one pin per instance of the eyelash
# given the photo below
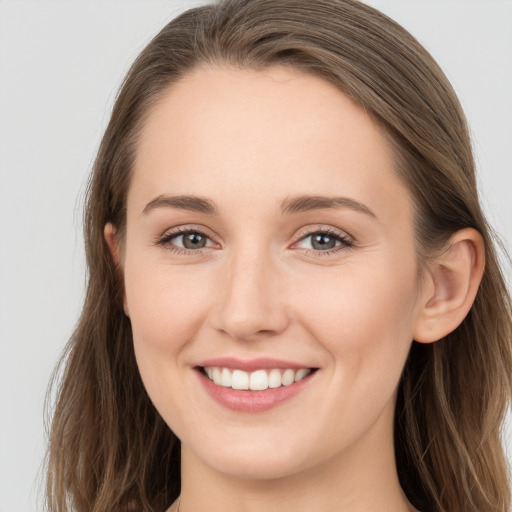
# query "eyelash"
(165, 240)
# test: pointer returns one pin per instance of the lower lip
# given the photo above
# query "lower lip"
(252, 401)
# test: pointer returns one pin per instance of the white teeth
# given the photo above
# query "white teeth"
(258, 380)
(300, 374)
(274, 379)
(217, 376)
(240, 380)
(288, 377)
(226, 378)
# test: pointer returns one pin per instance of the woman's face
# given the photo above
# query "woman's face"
(268, 233)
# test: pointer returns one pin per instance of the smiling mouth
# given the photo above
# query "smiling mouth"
(258, 380)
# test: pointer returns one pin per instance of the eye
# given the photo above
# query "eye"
(184, 241)
(324, 242)
(189, 241)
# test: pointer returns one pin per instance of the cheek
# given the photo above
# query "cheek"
(364, 320)
(166, 308)
(358, 307)
(167, 304)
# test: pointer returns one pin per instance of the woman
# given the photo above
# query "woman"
(294, 301)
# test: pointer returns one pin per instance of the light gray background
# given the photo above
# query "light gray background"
(60, 65)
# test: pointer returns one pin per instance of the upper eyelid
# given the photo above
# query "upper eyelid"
(181, 230)
(330, 230)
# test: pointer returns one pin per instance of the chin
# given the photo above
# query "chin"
(254, 461)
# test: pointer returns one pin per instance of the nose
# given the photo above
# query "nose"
(251, 301)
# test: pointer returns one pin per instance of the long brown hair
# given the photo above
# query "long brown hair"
(110, 450)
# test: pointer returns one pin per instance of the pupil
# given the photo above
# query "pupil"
(319, 241)
(194, 241)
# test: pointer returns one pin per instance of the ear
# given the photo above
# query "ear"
(109, 232)
(451, 283)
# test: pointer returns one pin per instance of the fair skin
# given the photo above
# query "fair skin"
(258, 282)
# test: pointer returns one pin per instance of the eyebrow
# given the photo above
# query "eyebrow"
(290, 205)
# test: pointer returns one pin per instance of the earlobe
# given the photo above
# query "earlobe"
(109, 232)
(453, 280)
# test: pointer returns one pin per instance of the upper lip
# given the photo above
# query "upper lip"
(250, 365)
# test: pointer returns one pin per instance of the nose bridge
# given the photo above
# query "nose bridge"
(251, 297)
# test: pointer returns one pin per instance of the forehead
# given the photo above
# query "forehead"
(239, 134)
